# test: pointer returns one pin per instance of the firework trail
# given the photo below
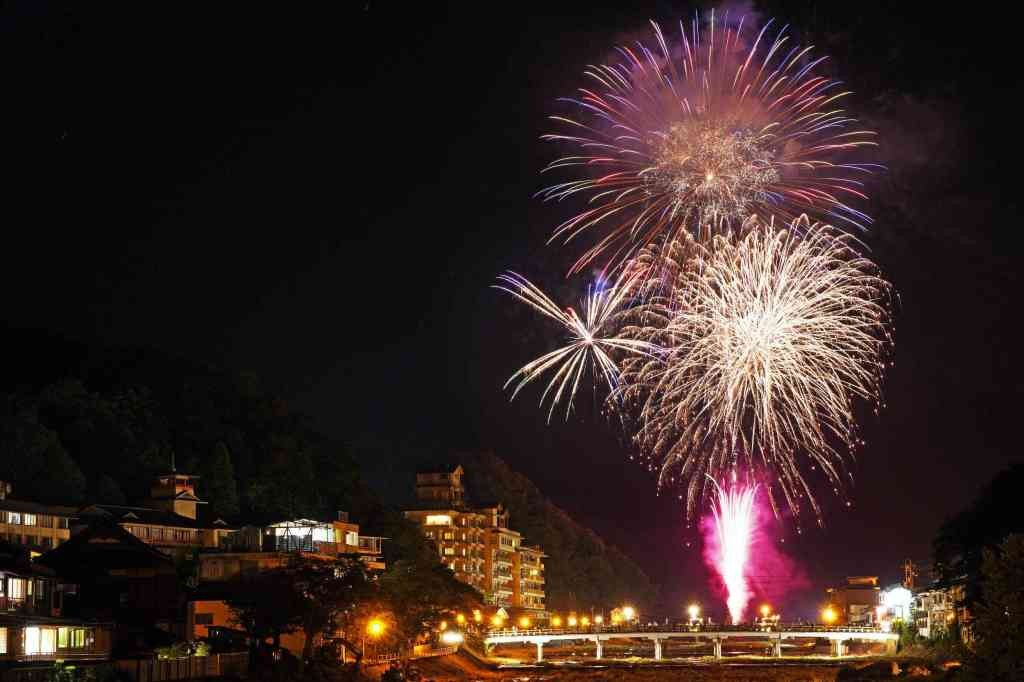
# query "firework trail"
(768, 338)
(701, 134)
(734, 517)
(590, 341)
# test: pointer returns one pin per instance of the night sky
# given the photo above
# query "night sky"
(324, 199)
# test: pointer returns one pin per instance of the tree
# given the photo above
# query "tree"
(999, 617)
(219, 484)
(420, 592)
(331, 593)
(264, 605)
(322, 599)
(961, 541)
(108, 491)
(34, 460)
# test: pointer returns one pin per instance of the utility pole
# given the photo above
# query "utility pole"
(909, 573)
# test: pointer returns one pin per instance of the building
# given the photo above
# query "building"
(856, 602)
(38, 527)
(34, 629)
(121, 579)
(530, 593)
(476, 541)
(941, 608)
(260, 548)
(255, 549)
(170, 522)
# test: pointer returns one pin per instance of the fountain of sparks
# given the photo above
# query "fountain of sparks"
(733, 521)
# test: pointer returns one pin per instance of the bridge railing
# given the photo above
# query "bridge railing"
(677, 628)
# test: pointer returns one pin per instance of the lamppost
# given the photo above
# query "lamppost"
(375, 628)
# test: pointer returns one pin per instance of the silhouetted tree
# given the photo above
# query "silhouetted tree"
(108, 491)
(998, 652)
(961, 541)
(218, 481)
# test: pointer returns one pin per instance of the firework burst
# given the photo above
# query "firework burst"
(590, 339)
(701, 135)
(768, 339)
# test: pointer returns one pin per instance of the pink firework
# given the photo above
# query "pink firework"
(698, 134)
(735, 519)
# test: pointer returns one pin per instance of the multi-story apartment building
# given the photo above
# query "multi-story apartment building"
(477, 543)
(530, 585)
(38, 527)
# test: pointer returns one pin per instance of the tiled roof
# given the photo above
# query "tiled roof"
(36, 508)
(145, 515)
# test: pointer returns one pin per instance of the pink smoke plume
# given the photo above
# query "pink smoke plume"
(738, 548)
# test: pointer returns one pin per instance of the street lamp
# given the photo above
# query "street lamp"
(694, 611)
(766, 610)
(460, 619)
(556, 621)
(572, 621)
(524, 622)
(585, 622)
(829, 615)
(628, 613)
(374, 628)
(496, 621)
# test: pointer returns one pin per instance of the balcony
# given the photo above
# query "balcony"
(369, 544)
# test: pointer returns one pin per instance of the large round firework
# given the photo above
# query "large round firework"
(768, 339)
(701, 134)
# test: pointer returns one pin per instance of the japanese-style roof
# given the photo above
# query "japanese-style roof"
(146, 516)
(25, 507)
(100, 548)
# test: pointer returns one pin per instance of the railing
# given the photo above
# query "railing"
(370, 544)
(680, 628)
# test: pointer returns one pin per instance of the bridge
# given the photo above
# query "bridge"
(837, 636)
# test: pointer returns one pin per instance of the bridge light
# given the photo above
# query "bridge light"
(556, 621)
(829, 615)
(584, 621)
(572, 621)
(599, 619)
(694, 611)
(628, 613)
(524, 622)
(766, 610)
(496, 621)
(451, 637)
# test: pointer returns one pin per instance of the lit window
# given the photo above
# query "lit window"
(449, 551)
(16, 588)
(14, 518)
(40, 640)
(439, 520)
(29, 519)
